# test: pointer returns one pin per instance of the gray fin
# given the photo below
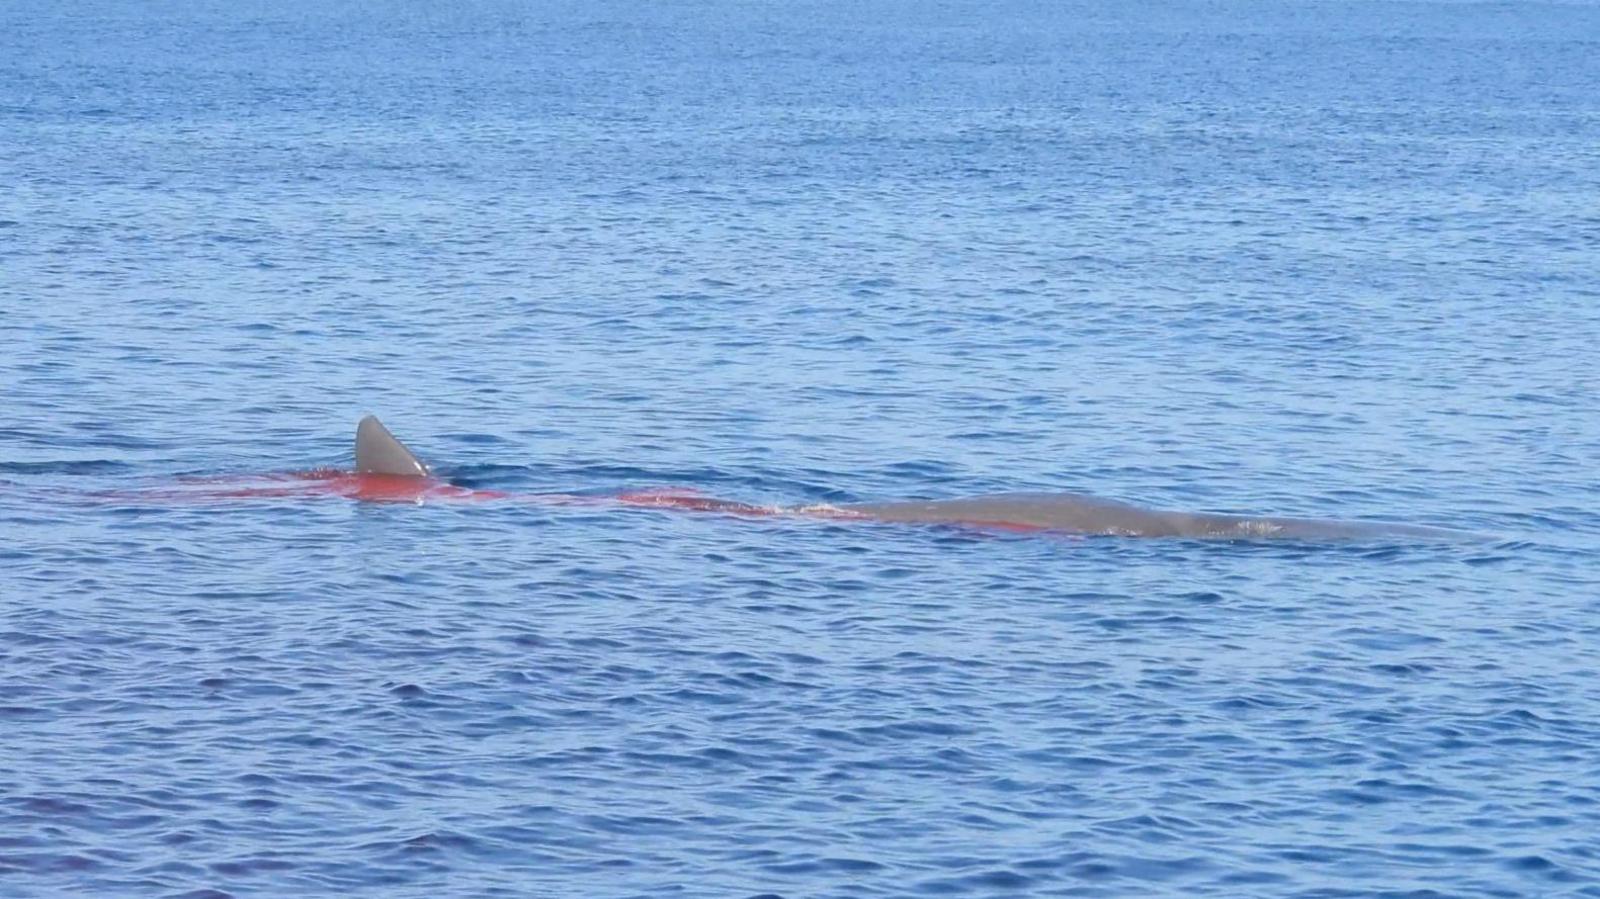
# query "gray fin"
(378, 452)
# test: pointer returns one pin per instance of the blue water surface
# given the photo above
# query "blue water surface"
(1335, 258)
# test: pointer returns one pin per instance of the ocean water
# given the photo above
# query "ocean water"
(1336, 259)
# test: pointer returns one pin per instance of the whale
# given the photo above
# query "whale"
(1096, 516)
(388, 469)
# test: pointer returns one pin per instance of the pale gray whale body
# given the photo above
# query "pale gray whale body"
(380, 455)
(1077, 514)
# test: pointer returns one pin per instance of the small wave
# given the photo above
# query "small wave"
(73, 467)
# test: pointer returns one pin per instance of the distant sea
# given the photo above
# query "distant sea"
(1333, 259)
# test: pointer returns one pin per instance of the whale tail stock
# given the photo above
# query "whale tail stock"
(379, 452)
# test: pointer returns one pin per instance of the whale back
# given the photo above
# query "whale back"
(1077, 514)
(378, 452)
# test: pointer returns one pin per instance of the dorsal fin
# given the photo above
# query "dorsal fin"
(378, 452)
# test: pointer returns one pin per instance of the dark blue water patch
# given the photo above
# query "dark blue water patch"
(69, 467)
